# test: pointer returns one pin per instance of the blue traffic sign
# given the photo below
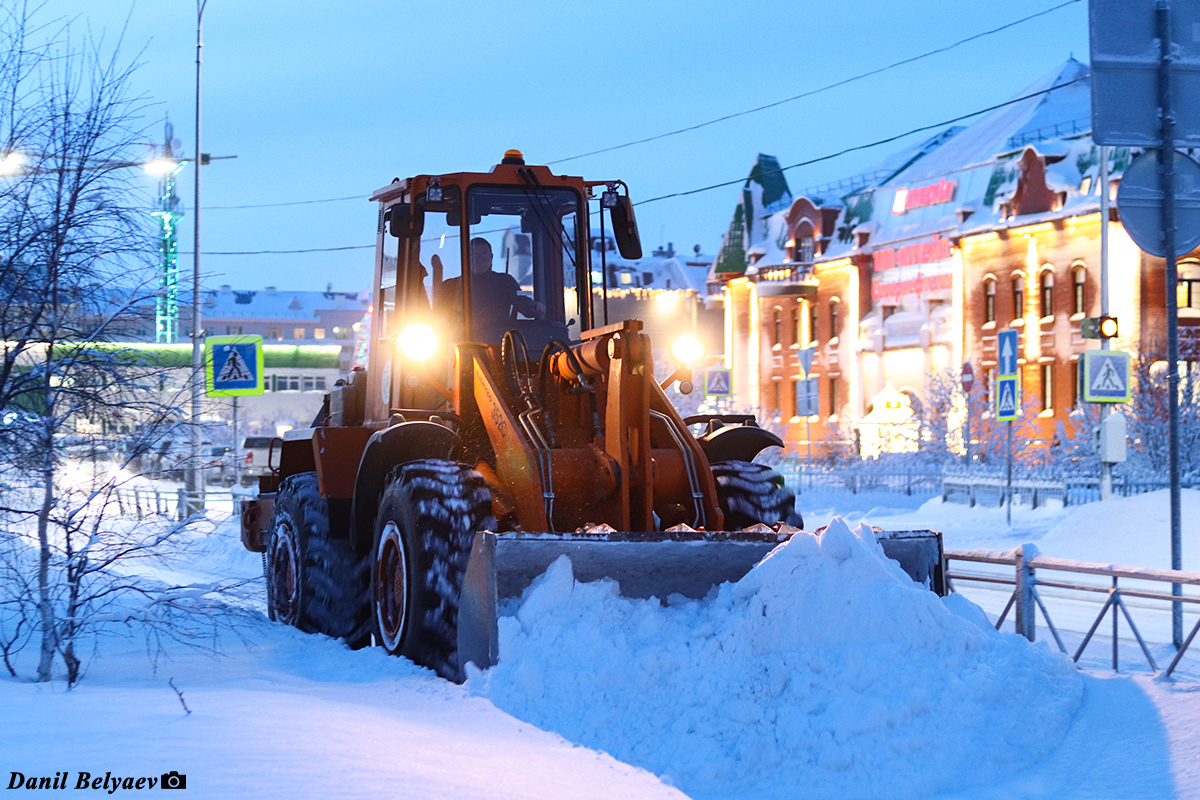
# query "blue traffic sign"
(1107, 376)
(1007, 351)
(1008, 403)
(233, 365)
(718, 382)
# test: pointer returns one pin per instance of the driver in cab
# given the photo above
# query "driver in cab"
(496, 297)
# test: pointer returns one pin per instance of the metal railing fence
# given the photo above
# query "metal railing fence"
(143, 502)
(1026, 601)
(803, 477)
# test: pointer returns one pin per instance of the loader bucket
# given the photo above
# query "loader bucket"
(645, 565)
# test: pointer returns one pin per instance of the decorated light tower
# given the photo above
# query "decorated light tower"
(166, 311)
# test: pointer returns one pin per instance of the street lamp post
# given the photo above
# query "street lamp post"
(195, 485)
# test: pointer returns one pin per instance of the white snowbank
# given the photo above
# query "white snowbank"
(1128, 530)
(824, 672)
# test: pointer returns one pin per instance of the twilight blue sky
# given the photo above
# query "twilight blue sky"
(324, 100)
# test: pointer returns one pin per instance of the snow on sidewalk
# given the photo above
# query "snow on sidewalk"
(296, 716)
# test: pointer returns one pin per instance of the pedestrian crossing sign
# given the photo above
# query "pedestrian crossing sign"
(233, 365)
(1107, 376)
(1008, 399)
(717, 382)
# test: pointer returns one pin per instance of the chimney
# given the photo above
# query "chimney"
(270, 291)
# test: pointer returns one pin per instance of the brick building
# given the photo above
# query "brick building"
(900, 274)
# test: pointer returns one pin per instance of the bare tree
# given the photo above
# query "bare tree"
(76, 280)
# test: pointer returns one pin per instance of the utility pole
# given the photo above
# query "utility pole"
(194, 485)
(1105, 467)
(1166, 166)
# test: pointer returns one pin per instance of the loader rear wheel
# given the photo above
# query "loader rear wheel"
(428, 515)
(314, 582)
(751, 493)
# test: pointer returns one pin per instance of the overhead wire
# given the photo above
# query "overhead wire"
(869, 145)
(735, 115)
(812, 92)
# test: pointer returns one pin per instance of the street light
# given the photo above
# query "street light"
(193, 484)
(11, 163)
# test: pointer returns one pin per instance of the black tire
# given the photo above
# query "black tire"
(428, 515)
(314, 582)
(751, 493)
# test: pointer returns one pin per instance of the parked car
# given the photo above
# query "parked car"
(254, 453)
(219, 464)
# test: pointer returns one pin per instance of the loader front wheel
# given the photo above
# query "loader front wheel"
(428, 515)
(751, 493)
(314, 582)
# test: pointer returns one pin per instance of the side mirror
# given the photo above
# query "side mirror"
(406, 222)
(625, 229)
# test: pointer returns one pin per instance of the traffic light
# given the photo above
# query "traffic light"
(1098, 328)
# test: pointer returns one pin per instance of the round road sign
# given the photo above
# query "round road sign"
(1140, 201)
(968, 377)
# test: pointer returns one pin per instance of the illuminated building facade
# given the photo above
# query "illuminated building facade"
(900, 274)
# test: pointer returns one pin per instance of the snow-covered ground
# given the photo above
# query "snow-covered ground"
(820, 674)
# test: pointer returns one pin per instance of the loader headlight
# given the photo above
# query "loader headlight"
(687, 349)
(417, 342)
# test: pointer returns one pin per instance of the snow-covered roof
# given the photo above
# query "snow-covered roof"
(272, 303)
(961, 179)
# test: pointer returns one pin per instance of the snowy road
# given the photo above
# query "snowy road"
(283, 715)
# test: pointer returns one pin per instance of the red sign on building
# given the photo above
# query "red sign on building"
(932, 195)
(936, 249)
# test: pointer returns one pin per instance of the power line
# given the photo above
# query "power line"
(871, 144)
(812, 92)
(735, 115)
(723, 184)
(292, 203)
(282, 252)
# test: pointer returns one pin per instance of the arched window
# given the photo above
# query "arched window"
(1046, 293)
(1078, 282)
(1018, 295)
(813, 336)
(989, 300)
(1187, 291)
(777, 327)
(833, 318)
(796, 325)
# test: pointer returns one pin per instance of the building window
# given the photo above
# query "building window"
(274, 332)
(1047, 387)
(287, 383)
(796, 325)
(1187, 290)
(1046, 293)
(990, 388)
(318, 333)
(792, 386)
(1075, 386)
(776, 393)
(804, 249)
(833, 395)
(813, 337)
(342, 333)
(989, 300)
(1018, 296)
(233, 330)
(298, 333)
(308, 384)
(777, 330)
(833, 320)
(1078, 281)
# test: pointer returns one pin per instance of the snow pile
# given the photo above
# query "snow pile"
(824, 672)
(1128, 530)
